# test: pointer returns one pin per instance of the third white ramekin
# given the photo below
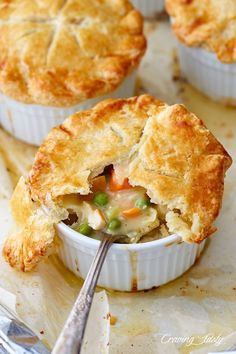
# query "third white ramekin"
(129, 267)
(204, 71)
(31, 123)
(149, 8)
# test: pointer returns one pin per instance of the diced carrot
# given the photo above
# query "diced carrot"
(115, 186)
(99, 184)
(131, 213)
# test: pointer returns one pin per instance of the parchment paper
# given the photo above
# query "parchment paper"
(193, 314)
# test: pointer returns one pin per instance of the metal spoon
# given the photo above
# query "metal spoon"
(16, 337)
(71, 338)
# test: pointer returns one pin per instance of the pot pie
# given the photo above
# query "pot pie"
(210, 24)
(59, 53)
(131, 167)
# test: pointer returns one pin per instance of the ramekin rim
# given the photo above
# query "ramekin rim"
(209, 56)
(77, 237)
(75, 107)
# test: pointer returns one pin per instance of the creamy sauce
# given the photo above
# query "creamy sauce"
(126, 211)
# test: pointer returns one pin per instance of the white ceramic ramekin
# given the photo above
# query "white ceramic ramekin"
(204, 71)
(129, 267)
(149, 8)
(31, 123)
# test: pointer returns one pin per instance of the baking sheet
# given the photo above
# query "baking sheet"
(193, 314)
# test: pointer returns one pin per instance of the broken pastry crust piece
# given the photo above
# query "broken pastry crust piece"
(210, 24)
(35, 235)
(168, 151)
(60, 53)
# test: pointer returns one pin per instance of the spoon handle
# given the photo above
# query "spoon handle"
(71, 337)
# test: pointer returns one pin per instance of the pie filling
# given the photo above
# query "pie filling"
(116, 208)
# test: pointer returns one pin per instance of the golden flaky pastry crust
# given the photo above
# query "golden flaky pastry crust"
(59, 53)
(168, 151)
(210, 24)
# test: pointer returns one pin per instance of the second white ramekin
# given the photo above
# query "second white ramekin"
(31, 123)
(149, 8)
(129, 267)
(204, 71)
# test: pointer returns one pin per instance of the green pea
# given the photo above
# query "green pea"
(142, 203)
(114, 224)
(85, 229)
(100, 199)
